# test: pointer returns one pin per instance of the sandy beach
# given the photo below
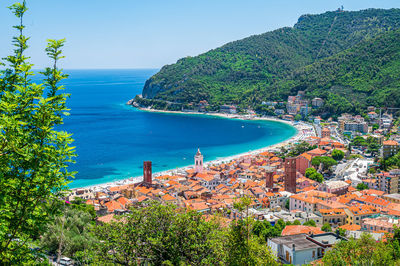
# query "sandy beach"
(303, 131)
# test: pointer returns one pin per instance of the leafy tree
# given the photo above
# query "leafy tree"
(362, 186)
(296, 222)
(34, 156)
(338, 155)
(158, 234)
(265, 230)
(394, 243)
(363, 251)
(310, 223)
(326, 227)
(314, 175)
(297, 117)
(326, 161)
(69, 233)
(300, 148)
(287, 204)
(341, 232)
(392, 162)
(359, 141)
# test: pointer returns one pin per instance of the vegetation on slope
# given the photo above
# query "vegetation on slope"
(276, 64)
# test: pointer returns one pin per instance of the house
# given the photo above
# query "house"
(317, 102)
(308, 201)
(389, 148)
(334, 187)
(377, 225)
(302, 249)
(325, 133)
(387, 182)
(356, 213)
(229, 109)
(335, 217)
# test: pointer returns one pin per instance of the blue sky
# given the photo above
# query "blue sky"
(152, 33)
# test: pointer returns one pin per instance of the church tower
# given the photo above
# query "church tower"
(198, 162)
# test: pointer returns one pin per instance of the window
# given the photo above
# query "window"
(313, 253)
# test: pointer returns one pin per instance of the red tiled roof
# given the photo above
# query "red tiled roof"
(300, 229)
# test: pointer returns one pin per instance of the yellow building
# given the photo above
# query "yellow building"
(356, 213)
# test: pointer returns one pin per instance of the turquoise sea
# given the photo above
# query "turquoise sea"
(112, 139)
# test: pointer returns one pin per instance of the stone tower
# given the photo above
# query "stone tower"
(198, 162)
(269, 179)
(290, 175)
(147, 172)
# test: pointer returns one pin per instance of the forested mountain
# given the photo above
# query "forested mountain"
(333, 55)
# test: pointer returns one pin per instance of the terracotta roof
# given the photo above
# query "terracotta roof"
(351, 227)
(300, 229)
(113, 205)
(123, 201)
(317, 152)
(390, 143)
(307, 156)
(372, 191)
(106, 218)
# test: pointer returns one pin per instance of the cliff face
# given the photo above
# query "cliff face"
(151, 89)
(273, 65)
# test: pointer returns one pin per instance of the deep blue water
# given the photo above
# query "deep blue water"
(112, 139)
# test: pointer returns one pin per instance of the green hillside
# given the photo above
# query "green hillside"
(276, 64)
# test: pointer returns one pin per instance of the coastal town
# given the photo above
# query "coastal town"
(200, 133)
(330, 182)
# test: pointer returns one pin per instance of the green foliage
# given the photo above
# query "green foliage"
(359, 141)
(165, 235)
(250, 250)
(310, 223)
(341, 232)
(34, 156)
(393, 162)
(296, 222)
(326, 161)
(287, 204)
(156, 234)
(362, 186)
(265, 230)
(363, 251)
(69, 233)
(355, 156)
(326, 227)
(314, 175)
(300, 148)
(331, 55)
(338, 155)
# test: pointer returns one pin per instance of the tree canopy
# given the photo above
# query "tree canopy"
(314, 175)
(34, 155)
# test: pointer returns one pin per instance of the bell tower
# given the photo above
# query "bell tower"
(147, 172)
(198, 162)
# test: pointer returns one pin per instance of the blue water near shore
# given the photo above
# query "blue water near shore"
(112, 139)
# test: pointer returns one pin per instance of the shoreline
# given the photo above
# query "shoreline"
(220, 115)
(300, 127)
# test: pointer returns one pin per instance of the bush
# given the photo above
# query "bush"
(338, 155)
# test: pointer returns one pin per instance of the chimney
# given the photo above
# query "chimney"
(147, 172)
